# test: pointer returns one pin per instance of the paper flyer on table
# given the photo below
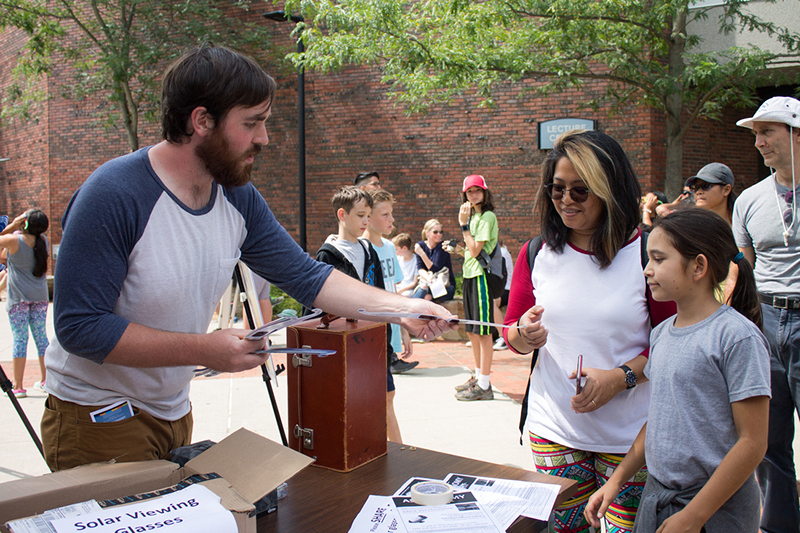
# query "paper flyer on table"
(464, 514)
(377, 516)
(541, 497)
(192, 509)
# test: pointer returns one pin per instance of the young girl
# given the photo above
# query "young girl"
(709, 368)
(479, 229)
(27, 289)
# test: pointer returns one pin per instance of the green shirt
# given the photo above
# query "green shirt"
(482, 227)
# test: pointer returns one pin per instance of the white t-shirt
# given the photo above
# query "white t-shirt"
(601, 314)
(409, 270)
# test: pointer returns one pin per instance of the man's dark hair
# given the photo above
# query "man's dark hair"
(213, 77)
(361, 177)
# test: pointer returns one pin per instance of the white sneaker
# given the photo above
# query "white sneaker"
(500, 344)
(469, 344)
(39, 385)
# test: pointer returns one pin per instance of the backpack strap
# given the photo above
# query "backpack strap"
(534, 245)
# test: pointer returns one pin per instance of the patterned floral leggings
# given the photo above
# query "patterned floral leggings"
(591, 470)
(22, 316)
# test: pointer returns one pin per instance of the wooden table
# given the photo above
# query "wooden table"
(324, 500)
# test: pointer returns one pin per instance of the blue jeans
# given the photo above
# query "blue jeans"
(776, 473)
(451, 290)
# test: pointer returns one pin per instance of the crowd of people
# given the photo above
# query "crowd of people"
(664, 338)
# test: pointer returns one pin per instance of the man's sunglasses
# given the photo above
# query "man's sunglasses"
(556, 192)
(702, 185)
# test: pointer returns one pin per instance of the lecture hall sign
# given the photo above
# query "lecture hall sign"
(549, 130)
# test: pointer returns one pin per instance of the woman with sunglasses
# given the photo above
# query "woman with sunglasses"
(433, 258)
(712, 188)
(586, 296)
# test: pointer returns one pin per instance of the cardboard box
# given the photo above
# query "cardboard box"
(251, 466)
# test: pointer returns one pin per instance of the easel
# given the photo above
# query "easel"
(241, 290)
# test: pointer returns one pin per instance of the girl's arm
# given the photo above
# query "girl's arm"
(633, 462)
(473, 246)
(14, 225)
(751, 417)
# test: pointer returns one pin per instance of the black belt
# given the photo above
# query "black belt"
(780, 302)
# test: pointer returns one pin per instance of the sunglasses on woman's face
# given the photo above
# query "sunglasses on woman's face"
(702, 185)
(437, 232)
(556, 192)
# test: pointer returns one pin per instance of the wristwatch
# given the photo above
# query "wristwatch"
(630, 376)
(465, 227)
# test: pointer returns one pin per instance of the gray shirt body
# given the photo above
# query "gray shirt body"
(757, 224)
(696, 373)
(23, 286)
(354, 252)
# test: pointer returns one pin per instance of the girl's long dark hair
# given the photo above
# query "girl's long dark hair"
(698, 231)
(602, 164)
(36, 224)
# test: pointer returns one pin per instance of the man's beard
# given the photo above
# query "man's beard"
(225, 166)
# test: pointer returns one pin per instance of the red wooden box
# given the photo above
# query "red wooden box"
(337, 404)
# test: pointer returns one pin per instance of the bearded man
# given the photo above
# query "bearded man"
(149, 244)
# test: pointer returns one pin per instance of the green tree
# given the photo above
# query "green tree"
(116, 49)
(430, 50)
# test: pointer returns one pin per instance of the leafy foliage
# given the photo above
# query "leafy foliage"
(117, 49)
(432, 50)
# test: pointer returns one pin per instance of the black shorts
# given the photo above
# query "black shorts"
(478, 304)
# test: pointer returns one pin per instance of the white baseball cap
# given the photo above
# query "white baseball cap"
(778, 109)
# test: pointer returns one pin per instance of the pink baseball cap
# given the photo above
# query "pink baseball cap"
(474, 180)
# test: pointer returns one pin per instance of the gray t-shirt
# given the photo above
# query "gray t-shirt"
(353, 251)
(23, 286)
(757, 224)
(696, 373)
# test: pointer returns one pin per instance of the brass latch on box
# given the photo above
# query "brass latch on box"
(307, 435)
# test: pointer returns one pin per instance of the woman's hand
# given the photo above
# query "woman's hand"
(463, 213)
(598, 389)
(534, 334)
(598, 503)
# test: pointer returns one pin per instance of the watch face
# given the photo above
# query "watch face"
(630, 378)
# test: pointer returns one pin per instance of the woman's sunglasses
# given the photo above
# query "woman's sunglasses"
(702, 185)
(556, 192)
(437, 232)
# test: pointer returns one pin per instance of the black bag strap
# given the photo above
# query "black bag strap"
(534, 245)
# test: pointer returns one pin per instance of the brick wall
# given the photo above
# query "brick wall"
(352, 125)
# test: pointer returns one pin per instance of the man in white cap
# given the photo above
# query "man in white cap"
(766, 229)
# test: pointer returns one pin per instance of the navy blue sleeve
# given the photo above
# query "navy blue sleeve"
(420, 262)
(101, 225)
(272, 253)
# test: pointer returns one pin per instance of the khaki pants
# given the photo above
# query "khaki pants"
(70, 438)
